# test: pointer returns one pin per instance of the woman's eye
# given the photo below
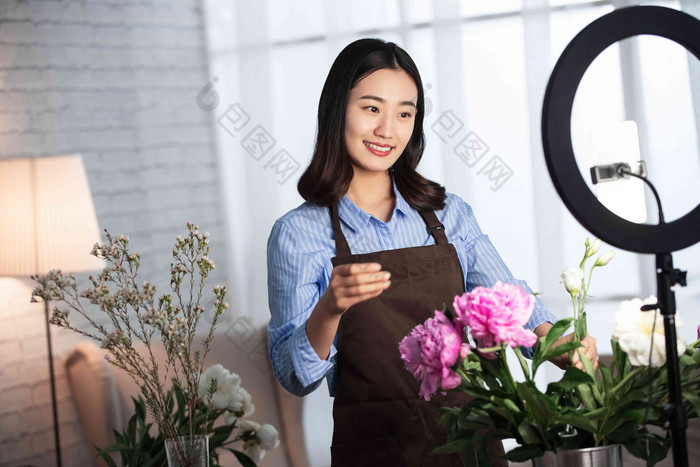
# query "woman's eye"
(373, 108)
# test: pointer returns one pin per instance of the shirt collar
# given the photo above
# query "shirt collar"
(358, 219)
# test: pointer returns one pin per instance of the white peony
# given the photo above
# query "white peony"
(253, 449)
(227, 384)
(239, 402)
(229, 418)
(573, 278)
(633, 332)
(269, 438)
(248, 425)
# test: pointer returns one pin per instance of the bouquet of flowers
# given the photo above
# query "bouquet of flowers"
(134, 316)
(229, 403)
(585, 408)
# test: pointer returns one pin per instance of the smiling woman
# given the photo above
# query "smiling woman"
(379, 121)
(374, 96)
(370, 216)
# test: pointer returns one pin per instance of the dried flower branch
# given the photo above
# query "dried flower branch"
(135, 315)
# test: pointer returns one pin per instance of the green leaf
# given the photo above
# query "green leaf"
(620, 360)
(452, 446)
(561, 349)
(528, 433)
(510, 405)
(580, 327)
(523, 363)
(469, 456)
(572, 378)
(630, 435)
(481, 393)
(105, 456)
(585, 393)
(536, 403)
(218, 439)
(658, 449)
(545, 343)
(114, 448)
(243, 458)
(131, 431)
(118, 436)
(576, 420)
(143, 438)
(159, 459)
(181, 404)
(483, 454)
(587, 364)
(524, 453)
(694, 399)
(555, 333)
(140, 408)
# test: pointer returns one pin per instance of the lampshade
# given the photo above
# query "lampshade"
(47, 218)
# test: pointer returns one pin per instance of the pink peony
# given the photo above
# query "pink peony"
(429, 352)
(496, 315)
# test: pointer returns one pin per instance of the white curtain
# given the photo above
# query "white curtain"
(485, 66)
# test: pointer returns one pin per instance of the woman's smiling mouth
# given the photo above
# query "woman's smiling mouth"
(377, 149)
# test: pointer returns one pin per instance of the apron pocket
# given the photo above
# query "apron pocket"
(384, 452)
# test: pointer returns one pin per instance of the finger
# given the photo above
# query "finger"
(575, 359)
(363, 278)
(354, 268)
(356, 290)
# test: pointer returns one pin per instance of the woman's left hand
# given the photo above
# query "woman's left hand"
(589, 349)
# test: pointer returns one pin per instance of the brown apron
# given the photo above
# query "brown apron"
(379, 419)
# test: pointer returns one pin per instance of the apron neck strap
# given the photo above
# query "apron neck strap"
(433, 224)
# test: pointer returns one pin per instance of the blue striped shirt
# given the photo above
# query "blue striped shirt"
(299, 252)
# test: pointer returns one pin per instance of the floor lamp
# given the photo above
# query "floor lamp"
(47, 221)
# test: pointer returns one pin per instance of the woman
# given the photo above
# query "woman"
(336, 314)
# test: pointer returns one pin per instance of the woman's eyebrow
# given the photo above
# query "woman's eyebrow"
(379, 99)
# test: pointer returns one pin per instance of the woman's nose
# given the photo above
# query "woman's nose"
(384, 127)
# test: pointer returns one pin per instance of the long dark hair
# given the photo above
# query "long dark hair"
(328, 176)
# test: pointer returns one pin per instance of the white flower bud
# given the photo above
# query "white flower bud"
(573, 277)
(604, 258)
(593, 249)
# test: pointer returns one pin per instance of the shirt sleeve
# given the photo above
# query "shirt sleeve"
(485, 268)
(293, 290)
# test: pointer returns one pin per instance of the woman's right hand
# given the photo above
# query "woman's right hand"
(354, 283)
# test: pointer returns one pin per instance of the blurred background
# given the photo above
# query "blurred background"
(205, 111)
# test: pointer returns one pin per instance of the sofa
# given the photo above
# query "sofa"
(102, 395)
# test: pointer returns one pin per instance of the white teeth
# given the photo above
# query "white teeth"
(378, 148)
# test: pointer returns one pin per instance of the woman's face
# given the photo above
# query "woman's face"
(381, 113)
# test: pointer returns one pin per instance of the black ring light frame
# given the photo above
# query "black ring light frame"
(659, 239)
(556, 127)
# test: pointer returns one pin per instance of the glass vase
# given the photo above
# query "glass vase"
(188, 451)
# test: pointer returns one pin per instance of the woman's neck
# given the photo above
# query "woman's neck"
(374, 195)
(371, 189)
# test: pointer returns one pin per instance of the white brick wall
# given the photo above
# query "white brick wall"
(116, 82)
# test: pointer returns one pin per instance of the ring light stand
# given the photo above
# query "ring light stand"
(660, 239)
